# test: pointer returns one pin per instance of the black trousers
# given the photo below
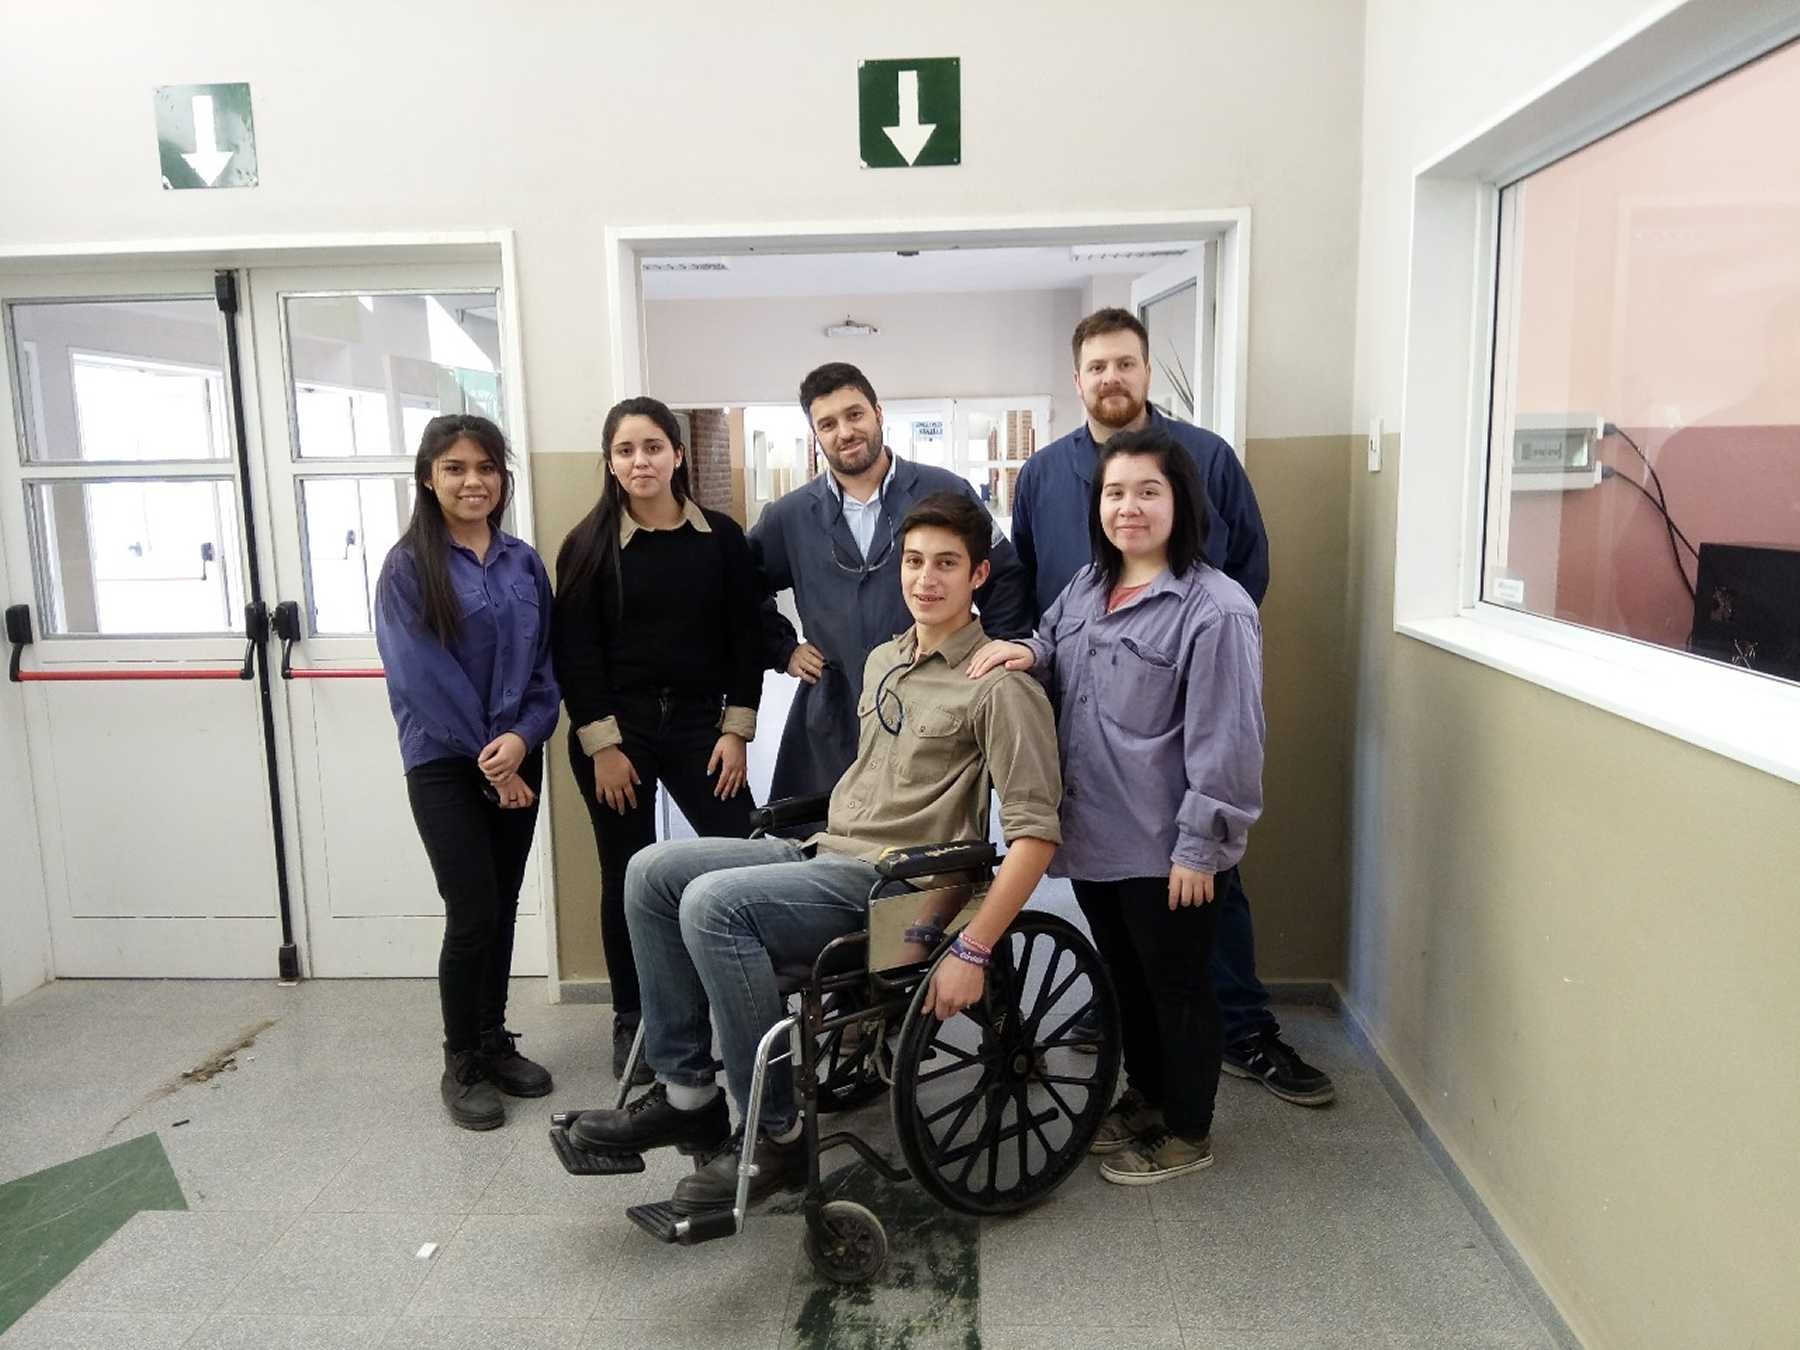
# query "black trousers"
(668, 739)
(1168, 1017)
(478, 854)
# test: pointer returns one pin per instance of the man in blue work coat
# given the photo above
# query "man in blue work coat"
(832, 541)
(1050, 531)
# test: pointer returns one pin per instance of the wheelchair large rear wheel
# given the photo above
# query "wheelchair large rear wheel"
(994, 1108)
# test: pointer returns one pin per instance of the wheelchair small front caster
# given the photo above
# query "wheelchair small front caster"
(847, 1245)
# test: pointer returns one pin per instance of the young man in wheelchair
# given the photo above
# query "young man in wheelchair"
(712, 919)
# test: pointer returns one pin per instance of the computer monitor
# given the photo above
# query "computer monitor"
(1747, 607)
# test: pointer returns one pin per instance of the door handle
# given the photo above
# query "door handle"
(287, 628)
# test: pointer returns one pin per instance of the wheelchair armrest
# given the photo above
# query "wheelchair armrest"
(964, 855)
(791, 811)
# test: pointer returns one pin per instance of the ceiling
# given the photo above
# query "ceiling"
(767, 275)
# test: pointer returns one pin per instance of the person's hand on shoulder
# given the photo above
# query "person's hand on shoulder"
(1012, 655)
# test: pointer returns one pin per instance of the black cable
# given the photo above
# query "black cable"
(1607, 471)
(1662, 503)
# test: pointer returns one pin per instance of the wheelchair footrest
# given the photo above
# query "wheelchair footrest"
(581, 1162)
(661, 1222)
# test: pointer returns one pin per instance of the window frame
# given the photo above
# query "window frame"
(1449, 395)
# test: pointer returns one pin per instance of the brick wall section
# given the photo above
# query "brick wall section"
(709, 458)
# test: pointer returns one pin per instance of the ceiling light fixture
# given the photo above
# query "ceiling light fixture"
(851, 328)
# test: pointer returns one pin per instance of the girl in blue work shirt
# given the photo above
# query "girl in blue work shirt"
(462, 621)
(1153, 659)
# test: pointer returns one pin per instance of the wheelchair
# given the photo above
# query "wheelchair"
(992, 1110)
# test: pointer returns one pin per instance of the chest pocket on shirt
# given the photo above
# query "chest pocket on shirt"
(1143, 695)
(525, 596)
(930, 745)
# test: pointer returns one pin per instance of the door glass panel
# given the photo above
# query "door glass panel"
(349, 524)
(1173, 381)
(120, 380)
(369, 371)
(919, 437)
(138, 556)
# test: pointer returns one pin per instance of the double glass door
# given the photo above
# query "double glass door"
(155, 492)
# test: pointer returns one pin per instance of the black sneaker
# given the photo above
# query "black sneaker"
(650, 1122)
(468, 1096)
(623, 1033)
(1085, 1033)
(773, 1167)
(507, 1069)
(1276, 1065)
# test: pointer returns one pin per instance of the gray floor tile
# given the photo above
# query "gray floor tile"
(45, 1330)
(482, 1333)
(519, 1265)
(257, 1167)
(1042, 1275)
(168, 1261)
(344, 1265)
(433, 1168)
(1085, 1199)
(1080, 1338)
(532, 1181)
(224, 1331)
(1293, 1270)
(604, 1334)
(1242, 1338)
(1522, 1339)
(742, 1279)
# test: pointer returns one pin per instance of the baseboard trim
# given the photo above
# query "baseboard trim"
(1522, 1273)
(585, 991)
(1304, 993)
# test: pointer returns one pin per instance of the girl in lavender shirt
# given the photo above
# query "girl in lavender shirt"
(1153, 659)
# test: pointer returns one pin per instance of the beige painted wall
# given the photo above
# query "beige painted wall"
(1573, 939)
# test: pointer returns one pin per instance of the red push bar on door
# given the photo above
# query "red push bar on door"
(19, 634)
(287, 628)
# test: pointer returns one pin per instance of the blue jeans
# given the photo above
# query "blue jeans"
(1243, 1002)
(710, 920)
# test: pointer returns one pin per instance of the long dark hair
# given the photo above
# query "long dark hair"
(592, 549)
(427, 537)
(1187, 535)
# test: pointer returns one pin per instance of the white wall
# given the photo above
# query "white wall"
(558, 120)
(963, 345)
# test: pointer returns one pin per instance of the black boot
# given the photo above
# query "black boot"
(623, 1032)
(468, 1096)
(773, 1167)
(649, 1121)
(507, 1069)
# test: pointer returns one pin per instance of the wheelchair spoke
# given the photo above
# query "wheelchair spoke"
(1051, 999)
(1087, 1083)
(1072, 1019)
(1057, 1097)
(1044, 998)
(941, 1146)
(973, 1061)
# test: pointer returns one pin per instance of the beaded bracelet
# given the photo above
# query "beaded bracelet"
(973, 952)
(925, 934)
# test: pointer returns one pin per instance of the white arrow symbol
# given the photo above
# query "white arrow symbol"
(910, 136)
(207, 160)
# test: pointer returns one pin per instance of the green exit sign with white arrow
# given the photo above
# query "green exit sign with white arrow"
(205, 137)
(909, 113)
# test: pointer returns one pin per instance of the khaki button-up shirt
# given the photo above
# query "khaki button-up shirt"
(929, 783)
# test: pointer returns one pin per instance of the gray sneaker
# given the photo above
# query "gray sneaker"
(1131, 1117)
(1157, 1158)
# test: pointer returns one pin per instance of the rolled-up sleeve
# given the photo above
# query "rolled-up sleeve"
(1017, 732)
(1222, 744)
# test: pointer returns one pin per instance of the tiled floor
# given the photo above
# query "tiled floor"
(320, 1168)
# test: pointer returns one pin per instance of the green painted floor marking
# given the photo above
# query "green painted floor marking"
(929, 1293)
(51, 1221)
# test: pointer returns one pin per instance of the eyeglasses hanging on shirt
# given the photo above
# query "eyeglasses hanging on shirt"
(880, 550)
(892, 721)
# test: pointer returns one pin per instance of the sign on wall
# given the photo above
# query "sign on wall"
(205, 136)
(909, 113)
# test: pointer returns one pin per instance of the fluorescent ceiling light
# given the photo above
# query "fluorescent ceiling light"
(1115, 252)
(686, 265)
(851, 328)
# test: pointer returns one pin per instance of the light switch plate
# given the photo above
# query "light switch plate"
(1375, 446)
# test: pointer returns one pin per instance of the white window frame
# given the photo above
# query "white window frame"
(1447, 393)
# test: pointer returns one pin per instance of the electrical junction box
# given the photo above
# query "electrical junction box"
(1556, 452)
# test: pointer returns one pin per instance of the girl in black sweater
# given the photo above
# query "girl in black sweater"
(657, 645)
